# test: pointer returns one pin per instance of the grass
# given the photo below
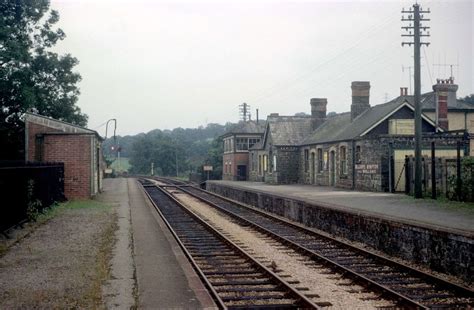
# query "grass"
(122, 166)
(103, 258)
(57, 209)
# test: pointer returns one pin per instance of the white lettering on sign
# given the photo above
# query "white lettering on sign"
(367, 168)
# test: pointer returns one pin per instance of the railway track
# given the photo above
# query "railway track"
(233, 278)
(407, 286)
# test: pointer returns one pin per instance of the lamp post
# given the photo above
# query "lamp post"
(115, 131)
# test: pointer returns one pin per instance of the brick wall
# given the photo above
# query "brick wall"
(235, 159)
(73, 150)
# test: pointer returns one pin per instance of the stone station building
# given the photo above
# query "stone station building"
(364, 148)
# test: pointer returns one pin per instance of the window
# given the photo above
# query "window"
(274, 163)
(265, 163)
(357, 154)
(260, 164)
(228, 145)
(306, 160)
(242, 144)
(320, 160)
(343, 159)
(253, 141)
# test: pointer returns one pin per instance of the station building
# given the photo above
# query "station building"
(50, 140)
(364, 148)
(237, 142)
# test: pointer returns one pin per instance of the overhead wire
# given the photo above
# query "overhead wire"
(368, 33)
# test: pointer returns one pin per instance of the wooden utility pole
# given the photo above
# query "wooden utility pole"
(415, 16)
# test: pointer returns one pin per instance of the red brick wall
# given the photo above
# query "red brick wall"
(32, 130)
(73, 150)
(235, 159)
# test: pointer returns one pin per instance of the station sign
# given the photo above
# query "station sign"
(207, 168)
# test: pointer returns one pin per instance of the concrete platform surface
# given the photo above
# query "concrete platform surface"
(164, 277)
(398, 207)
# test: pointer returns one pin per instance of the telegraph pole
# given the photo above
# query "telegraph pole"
(415, 16)
(244, 111)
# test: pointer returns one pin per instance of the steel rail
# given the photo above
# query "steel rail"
(303, 301)
(463, 291)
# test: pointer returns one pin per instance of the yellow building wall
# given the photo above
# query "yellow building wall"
(457, 120)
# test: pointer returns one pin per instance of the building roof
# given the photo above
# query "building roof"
(248, 127)
(288, 130)
(339, 127)
(428, 102)
(61, 126)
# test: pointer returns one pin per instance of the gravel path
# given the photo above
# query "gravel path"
(60, 264)
(329, 286)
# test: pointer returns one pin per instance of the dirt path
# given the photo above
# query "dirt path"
(63, 262)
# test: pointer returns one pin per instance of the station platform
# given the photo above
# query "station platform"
(398, 207)
(164, 278)
(432, 234)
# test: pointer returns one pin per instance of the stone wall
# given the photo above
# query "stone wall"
(437, 249)
(287, 165)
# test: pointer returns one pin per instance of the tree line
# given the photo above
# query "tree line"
(173, 152)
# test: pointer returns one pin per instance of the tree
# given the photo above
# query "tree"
(469, 99)
(32, 77)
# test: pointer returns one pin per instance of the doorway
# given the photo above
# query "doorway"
(313, 169)
(241, 172)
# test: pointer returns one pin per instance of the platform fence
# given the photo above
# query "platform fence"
(26, 189)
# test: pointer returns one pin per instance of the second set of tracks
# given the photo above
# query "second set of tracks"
(404, 285)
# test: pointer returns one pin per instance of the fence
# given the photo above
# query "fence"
(26, 188)
(453, 178)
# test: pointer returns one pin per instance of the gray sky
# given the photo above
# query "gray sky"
(166, 64)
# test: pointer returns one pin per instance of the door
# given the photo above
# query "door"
(332, 168)
(313, 169)
(241, 172)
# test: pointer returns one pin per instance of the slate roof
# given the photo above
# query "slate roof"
(428, 103)
(248, 127)
(289, 130)
(339, 127)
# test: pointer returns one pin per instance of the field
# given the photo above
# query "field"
(121, 166)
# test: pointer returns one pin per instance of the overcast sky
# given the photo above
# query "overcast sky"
(166, 64)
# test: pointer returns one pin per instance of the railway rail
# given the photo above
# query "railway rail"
(411, 288)
(233, 278)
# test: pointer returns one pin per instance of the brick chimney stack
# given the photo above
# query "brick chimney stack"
(318, 111)
(360, 98)
(445, 94)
